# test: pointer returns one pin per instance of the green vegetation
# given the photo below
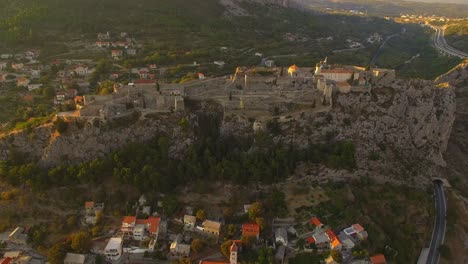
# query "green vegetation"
(401, 53)
(456, 35)
(381, 209)
(23, 112)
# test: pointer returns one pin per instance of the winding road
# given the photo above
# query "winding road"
(438, 234)
(442, 45)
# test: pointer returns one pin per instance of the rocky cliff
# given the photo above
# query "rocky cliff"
(400, 130)
(84, 141)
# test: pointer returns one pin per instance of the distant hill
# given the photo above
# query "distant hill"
(462, 2)
(392, 7)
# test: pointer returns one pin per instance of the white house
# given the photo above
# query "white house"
(113, 249)
(189, 221)
(82, 70)
(32, 87)
(281, 236)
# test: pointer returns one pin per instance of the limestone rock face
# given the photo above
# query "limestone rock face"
(88, 141)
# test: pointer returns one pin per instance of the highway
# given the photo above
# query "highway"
(441, 44)
(438, 234)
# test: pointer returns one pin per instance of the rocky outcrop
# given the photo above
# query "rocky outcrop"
(84, 141)
(400, 129)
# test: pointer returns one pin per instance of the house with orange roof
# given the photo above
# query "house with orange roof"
(292, 70)
(335, 243)
(316, 222)
(378, 259)
(251, 230)
(140, 229)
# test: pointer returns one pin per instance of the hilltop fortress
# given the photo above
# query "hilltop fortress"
(257, 92)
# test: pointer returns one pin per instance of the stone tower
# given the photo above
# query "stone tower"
(233, 250)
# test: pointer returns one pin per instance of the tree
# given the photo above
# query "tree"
(260, 222)
(201, 214)
(228, 213)
(56, 253)
(60, 125)
(170, 205)
(106, 87)
(231, 231)
(198, 245)
(256, 210)
(71, 221)
(336, 255)
(80, 242)
(226, 248)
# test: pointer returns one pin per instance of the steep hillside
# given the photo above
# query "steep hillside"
(400, 132)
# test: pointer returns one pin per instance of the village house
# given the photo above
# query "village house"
(113, 249)
(140, 229)
(378, 259)
(321, 240)
(335, 243)
(190, 221)
(81, 70)
(316, 223)
(251, 230)
(211, 227)
(103, 36)
(103, 44)
(356, 231)
(3, 65)
(92, 212)
(270, 63)
(72, 258)
(17, 66)
(281, 236)
(16, 257)
(116, 54)
(22, 82)
(32, 87)
(131, 52)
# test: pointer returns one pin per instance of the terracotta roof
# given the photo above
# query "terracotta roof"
(233, 247)
(336, 71)
(293, 68)
(89, 204)
(315, 221)
(129, 220)
(334, 242)
(6, 260)
(310, 240)
(358, 227)
(378, 259)
(153, 221)
(250, 229)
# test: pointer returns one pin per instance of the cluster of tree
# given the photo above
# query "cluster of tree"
(150, 168)
(79, 242)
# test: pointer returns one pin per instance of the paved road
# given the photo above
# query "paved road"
(377, 54)
(441, 44)
(438, 234)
